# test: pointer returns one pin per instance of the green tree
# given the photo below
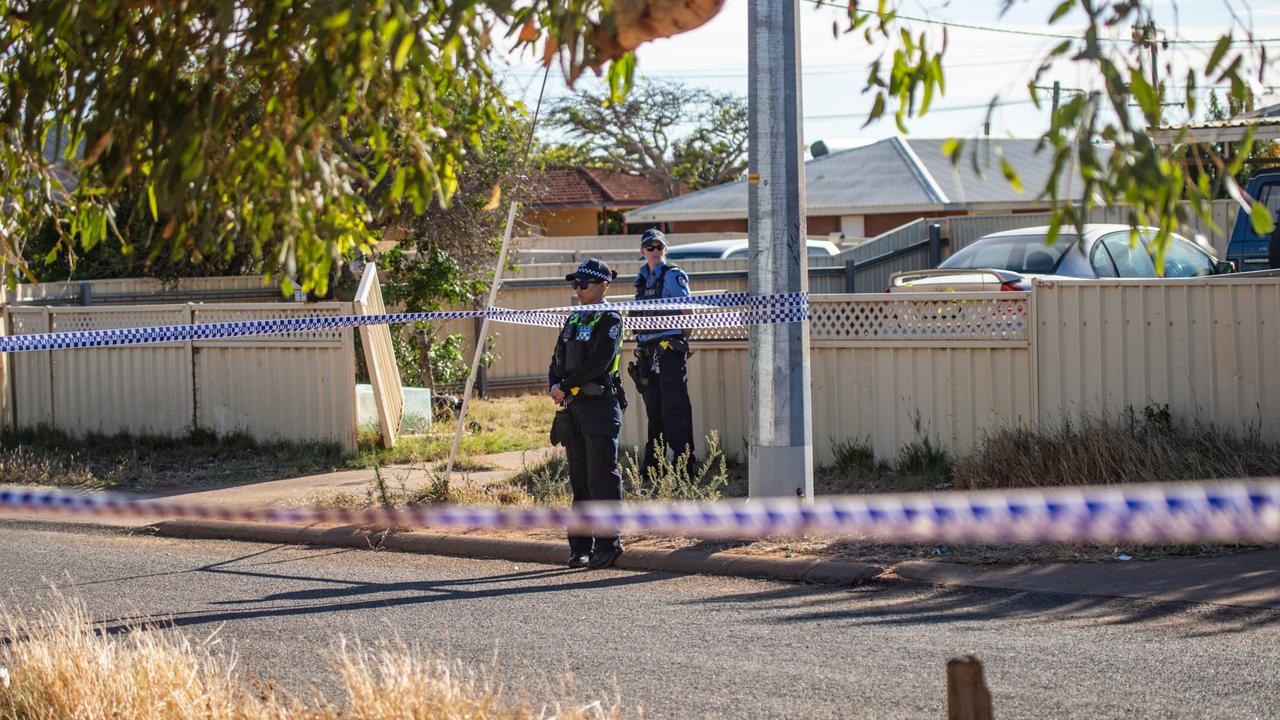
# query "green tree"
(234, 122)
(1151, 180)
(1212, 159)
(156, 101)
(674, 134)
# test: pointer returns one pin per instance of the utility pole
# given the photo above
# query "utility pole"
(1057, 95)
(781, 430)
(1155, 69)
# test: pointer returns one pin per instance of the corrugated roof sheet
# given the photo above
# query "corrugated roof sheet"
(886, 176)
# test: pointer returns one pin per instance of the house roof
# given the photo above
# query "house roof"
(892, 175)
(590, 187)
(1265, 122)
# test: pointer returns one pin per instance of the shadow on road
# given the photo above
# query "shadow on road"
(893, 602)
(340, 595)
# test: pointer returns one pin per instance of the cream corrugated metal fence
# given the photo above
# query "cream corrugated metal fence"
(952, 367)
(299, 386)
(886, 370)
(1209, 349)
(6, 401)
(380, 357)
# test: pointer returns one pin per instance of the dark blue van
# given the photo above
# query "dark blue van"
(1248, 250)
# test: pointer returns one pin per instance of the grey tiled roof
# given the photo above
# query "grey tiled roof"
(893, 175)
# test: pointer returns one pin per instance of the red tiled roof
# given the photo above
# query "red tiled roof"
(587, 187)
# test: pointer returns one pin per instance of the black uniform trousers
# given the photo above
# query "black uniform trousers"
(666, 403)
(593, 462)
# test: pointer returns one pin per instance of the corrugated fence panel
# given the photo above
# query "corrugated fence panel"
(141, 390)
(6, 397)
(719, 389)
(896, 239)
(295, 387)
(1206, 348)
(961, 231)
(889, 397)
(876, 278)
(885, 397)
(884, 373)
(30, 373)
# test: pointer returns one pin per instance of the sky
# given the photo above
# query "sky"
(995, 58)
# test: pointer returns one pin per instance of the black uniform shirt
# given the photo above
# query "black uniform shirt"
(606, 338)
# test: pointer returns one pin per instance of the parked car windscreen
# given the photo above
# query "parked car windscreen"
(815, 250)
(678, 254)
(1019, 253)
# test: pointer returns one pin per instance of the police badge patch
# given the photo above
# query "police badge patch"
(682, 280)
(613, 331)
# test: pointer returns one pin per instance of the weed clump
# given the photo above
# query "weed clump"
(674, 479)
(1133, 447)
(547, 482)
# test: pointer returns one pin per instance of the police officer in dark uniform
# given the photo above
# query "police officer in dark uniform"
(583, 380)
(661, 367)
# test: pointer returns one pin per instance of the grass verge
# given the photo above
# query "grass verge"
(141, 464)
(496, 425)
(128, 462)
(59, 666)
(1135, 447)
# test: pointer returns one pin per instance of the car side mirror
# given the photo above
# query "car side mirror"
(1223, 267)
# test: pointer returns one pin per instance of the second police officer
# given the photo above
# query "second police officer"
(661, 367)
(583, 381)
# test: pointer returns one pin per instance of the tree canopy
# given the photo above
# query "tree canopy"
(1151, 180)
(268, 123)
(292, 131)
(676, 135)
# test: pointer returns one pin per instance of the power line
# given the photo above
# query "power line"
(953, 108)
(1027, 33)
(806, 70)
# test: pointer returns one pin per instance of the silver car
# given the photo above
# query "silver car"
(1011, 259)
(734, 249)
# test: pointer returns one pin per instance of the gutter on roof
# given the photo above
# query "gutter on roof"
(922, 174)
(1264, 129)
(637, 216)
(578, 206)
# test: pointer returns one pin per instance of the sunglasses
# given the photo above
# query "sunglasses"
(651, 248)
(583, 284)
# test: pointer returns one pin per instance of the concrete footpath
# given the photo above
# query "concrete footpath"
(1248, 579)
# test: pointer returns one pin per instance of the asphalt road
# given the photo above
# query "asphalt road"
(676, 646)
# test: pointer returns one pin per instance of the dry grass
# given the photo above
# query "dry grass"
(1133, 448)
(496, 425)
(139, 463)
(60, 667)
(390, 489)
(25, 465)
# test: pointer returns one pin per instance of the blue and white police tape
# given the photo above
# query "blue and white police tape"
(757, 310)
(1239, 511)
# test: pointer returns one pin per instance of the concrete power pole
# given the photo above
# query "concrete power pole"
(781, 431)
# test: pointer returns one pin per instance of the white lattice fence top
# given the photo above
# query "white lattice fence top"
(954, 316)
(994, 316)
(26, 322)
(111, 319)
